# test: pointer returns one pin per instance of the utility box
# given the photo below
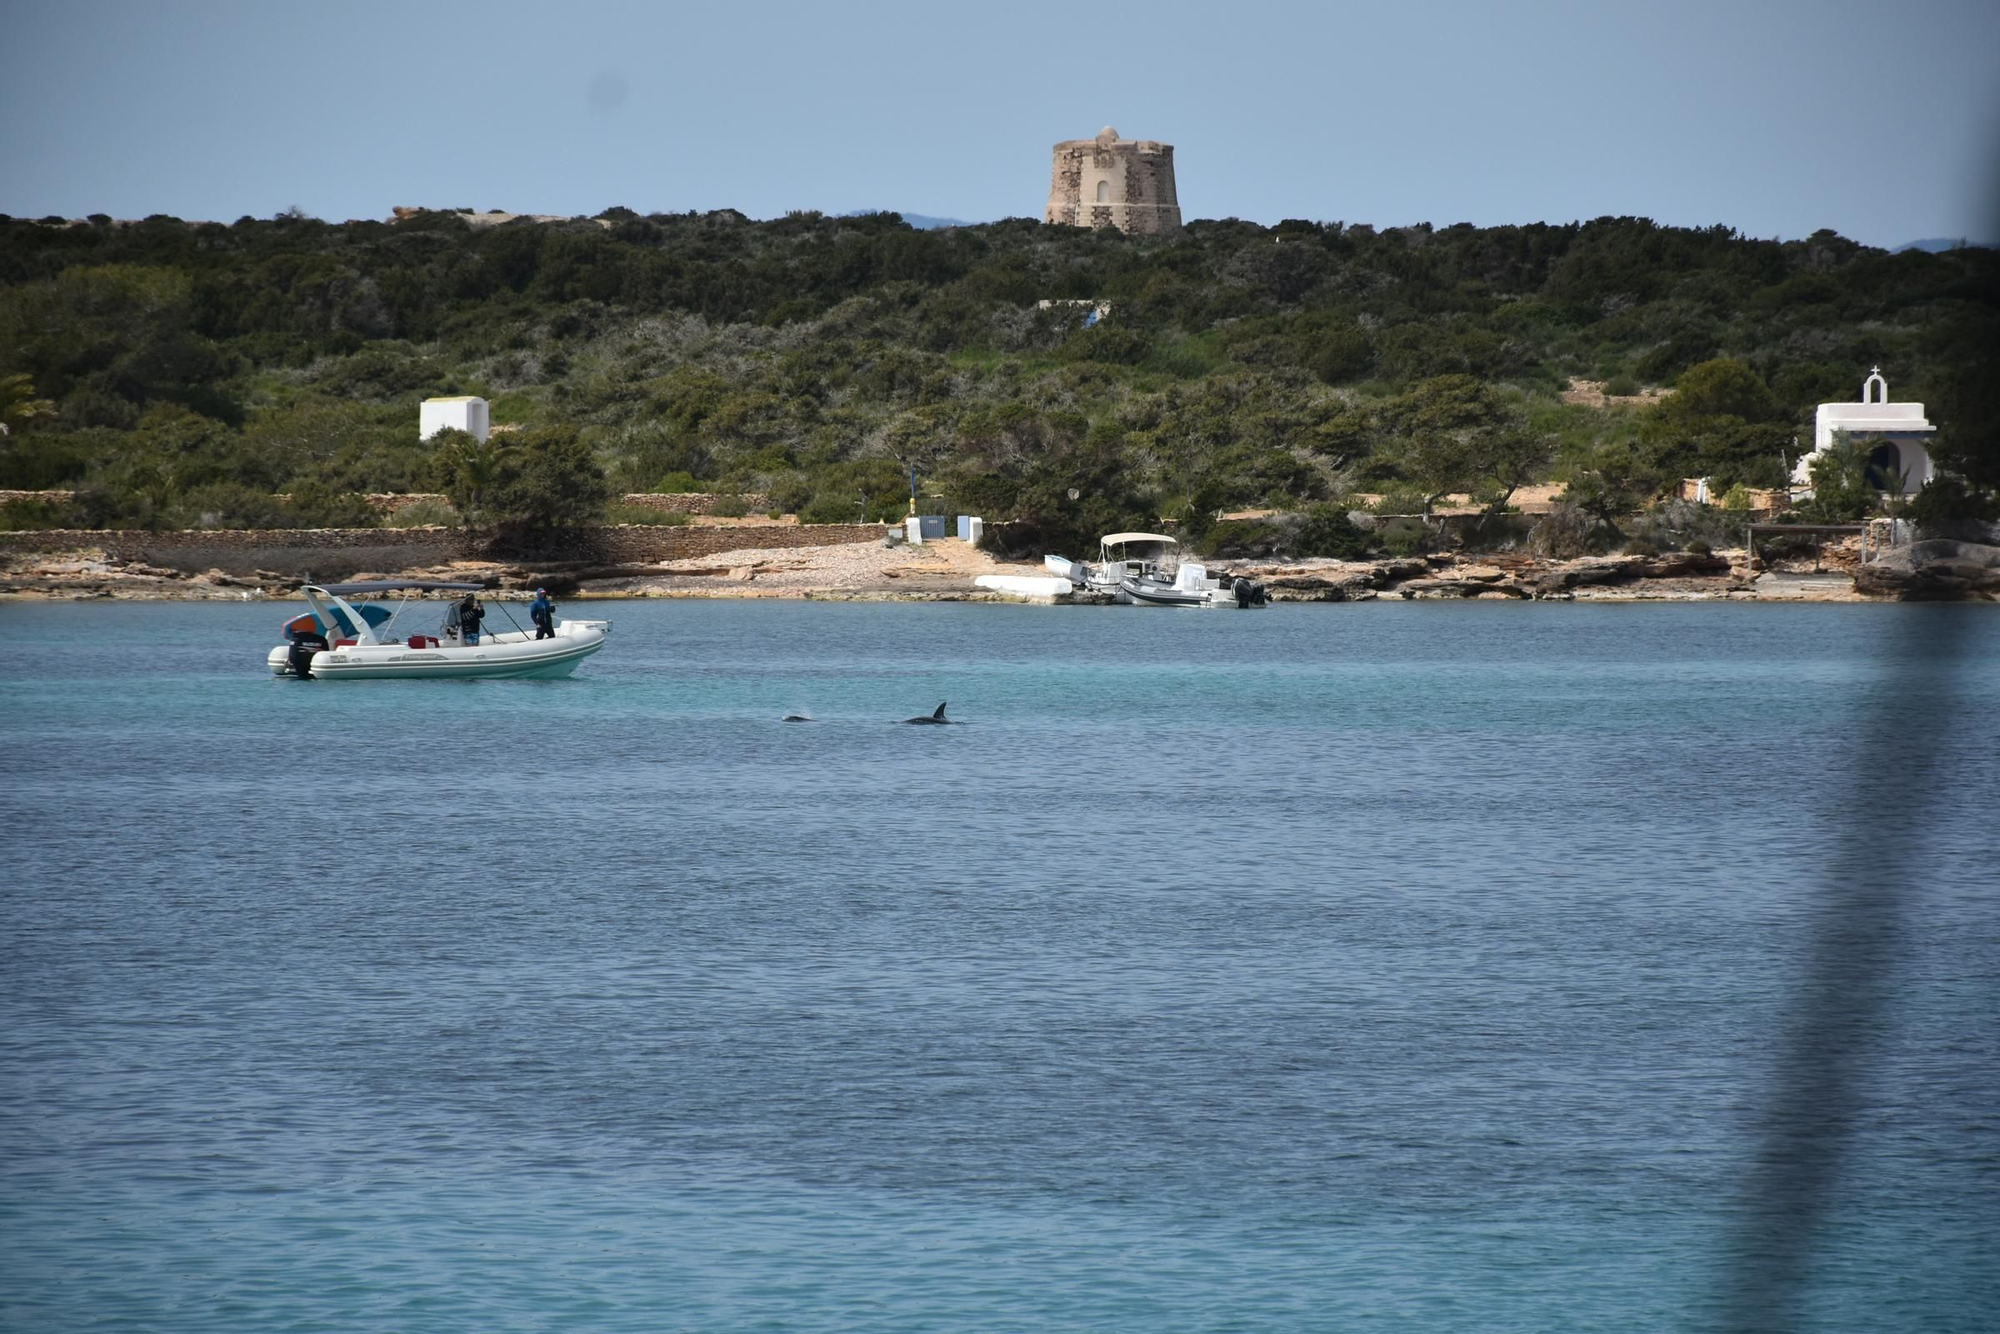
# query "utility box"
(467, 414)
(970, 529)
(913, 527)
(933, 525)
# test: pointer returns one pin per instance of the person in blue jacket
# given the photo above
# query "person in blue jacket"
(543, 613)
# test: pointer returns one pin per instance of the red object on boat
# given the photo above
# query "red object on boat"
(343, 643)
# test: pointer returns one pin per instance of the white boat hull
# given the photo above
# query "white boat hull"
(1142, 594)
(510, 655)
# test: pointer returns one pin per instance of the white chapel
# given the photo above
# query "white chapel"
(1899, 460)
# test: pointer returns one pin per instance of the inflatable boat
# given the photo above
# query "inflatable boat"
(340, 641)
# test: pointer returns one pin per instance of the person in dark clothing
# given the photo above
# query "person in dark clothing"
(470, 614)
(543, 613)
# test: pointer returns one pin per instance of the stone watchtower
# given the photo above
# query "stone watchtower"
(1113, 182)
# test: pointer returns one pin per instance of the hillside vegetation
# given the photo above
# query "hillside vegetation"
(177, 373)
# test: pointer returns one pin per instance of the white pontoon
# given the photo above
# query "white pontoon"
(340, 641)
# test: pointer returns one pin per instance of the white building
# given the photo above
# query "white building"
(1900, 459)
(464, 413)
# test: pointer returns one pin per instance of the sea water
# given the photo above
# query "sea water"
(1397, 967)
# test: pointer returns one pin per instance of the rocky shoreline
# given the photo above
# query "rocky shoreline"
(944, 571)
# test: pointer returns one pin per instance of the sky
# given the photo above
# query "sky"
(1777, 118)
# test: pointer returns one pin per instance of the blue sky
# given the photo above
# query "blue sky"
(1880, 121)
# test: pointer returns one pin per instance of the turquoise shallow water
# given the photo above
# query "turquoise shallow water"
(1392, 967)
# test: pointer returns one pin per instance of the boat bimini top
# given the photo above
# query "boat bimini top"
(367, 624)
(1111, 553)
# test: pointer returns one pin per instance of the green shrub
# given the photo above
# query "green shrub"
(1674, 524)
(1947, 505)
(119, 507)
(730, 507)
(318, 505)
(1621, 386)
(547, 487)
(423, 514)
(831, 507)
(678, 484)
(1639, 546)
(1243, 539)
(232, 505)
(1700, 548)
(1402, 537)
(1497, 532)
(35, 513)
(1399, 500)
(1568, 531)
(1326, 531)
(1841, 489)
(1106, 344)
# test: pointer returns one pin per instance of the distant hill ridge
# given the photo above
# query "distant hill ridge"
(1939, 244)
(923, 222)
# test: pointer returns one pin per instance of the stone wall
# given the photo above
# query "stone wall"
(691, 502)
(681, 502)
(337, 553)
(324, 553)
(642, 542)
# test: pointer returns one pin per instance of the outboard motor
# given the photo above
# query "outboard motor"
(305, 643)
(1241, 588)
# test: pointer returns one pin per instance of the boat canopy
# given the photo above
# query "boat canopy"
(369, 586)
(1120, 539)
(375, 617)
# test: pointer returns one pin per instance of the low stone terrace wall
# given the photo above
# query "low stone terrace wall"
(672, 502)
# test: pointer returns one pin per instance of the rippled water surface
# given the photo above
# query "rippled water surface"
(1388, 967)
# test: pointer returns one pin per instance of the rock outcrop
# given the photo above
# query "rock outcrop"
(1939, 570)
(1677, 573)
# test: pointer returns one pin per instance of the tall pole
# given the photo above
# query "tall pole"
(913, 490)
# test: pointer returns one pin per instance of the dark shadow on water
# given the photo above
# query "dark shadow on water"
(1875, 872)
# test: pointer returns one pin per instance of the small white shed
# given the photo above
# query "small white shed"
(464, 413)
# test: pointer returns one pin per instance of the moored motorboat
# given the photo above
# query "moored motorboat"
(1120, 556)
(340, 641)
(1145, 570)
(1191, 587)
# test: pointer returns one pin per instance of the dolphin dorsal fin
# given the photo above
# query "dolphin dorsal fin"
(939, 715)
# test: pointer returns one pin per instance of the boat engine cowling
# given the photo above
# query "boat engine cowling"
(305, 643)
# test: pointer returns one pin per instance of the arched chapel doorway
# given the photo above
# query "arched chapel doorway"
(1885, 468)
